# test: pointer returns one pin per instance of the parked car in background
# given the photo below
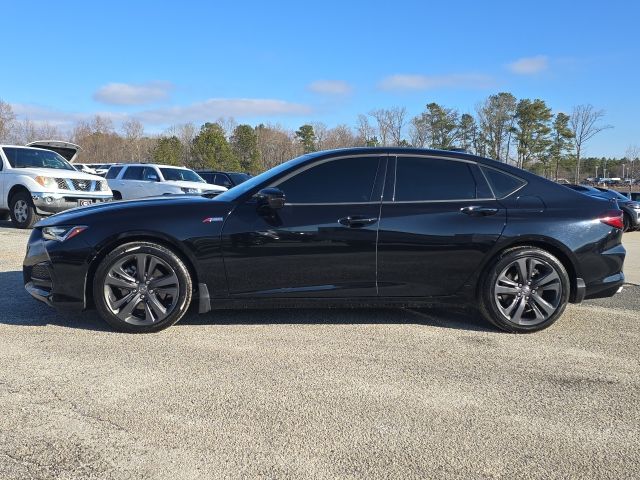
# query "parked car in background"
(362, 226)
(630, 207)
(101, 168)
(224, 179)
(83, 167)
(36, 182)
(149, 180)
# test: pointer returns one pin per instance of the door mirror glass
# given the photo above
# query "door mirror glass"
(272, 198)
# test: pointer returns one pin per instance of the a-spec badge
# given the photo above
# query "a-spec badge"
(212, 219)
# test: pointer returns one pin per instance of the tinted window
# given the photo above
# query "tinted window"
(222, 179)
(133, 173)
(207, 176)
(433, 179)
(339, 181)
(502, 183)
(150, 175)
(181, 174)
(238, 178)
(113, 172)
(32, 158)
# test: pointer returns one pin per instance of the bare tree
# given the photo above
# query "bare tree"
(584, 123)
(396, 120)
(320, 130)
(419, 132)
(7, 120)
(633, 155)
(382, 119)
(133, 133)
(366, 133)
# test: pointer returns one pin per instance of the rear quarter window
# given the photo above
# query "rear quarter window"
(503, 184)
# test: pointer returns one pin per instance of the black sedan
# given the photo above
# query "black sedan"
(224, 179)
(630, 208)
(365, 226)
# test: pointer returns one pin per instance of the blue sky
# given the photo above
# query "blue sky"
(294, 62)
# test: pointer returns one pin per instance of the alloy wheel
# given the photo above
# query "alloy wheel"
(528, 291)
(21, 211)
(141, 289)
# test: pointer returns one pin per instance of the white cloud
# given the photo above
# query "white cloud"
(330, 87)
(132, 93)
(529, 65)
(226, 107)
(430, 82)
(207, 110)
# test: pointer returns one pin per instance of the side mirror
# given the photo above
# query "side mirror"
(273, 198)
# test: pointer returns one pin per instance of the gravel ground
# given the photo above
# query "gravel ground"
(316, 393)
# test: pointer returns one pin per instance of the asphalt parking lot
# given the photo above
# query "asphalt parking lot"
(318, 393)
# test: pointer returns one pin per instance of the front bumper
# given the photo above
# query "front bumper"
(49, 203)
(56, 274)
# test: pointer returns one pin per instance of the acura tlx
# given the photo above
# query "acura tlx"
(350, 227)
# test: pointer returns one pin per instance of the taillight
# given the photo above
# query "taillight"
(613, 218)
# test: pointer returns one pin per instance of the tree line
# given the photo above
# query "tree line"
(524, 132)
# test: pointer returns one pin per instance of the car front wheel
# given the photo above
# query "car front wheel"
(22, 211)
(142, 287)
(525, 290)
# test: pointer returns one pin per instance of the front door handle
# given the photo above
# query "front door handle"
(357, 221)
(479, 211)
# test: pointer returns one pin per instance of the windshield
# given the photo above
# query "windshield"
(181, 174)
(34, 158)
(239, 190)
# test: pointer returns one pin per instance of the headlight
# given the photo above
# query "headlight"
(190, 190)
(60, 234)
(47, 182)
(104, 186)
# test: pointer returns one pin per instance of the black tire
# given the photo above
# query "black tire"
(117, 195)
(627, 222)
(503, 276)
(22, 211)
(167, 264)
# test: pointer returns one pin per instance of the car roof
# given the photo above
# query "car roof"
(151, 165)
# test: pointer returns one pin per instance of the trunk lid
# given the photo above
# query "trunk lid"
(67, 150)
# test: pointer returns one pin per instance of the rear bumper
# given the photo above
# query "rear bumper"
(50, 203)
(607, 287)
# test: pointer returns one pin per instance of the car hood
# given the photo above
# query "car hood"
(147, 206)
(198, 185)
(56, 173)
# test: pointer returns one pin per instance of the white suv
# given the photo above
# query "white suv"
(149, 180)
(42, 181)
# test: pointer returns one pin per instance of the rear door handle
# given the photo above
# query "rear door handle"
(479, 211)
(356, 221)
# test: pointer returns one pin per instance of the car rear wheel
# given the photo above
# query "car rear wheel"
(22, 211)
(525, 290)
(142, 287)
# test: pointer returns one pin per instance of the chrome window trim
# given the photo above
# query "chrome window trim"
(468, 200)
(393, 201)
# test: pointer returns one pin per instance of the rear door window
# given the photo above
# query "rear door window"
(433, 179)
(133, 173)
